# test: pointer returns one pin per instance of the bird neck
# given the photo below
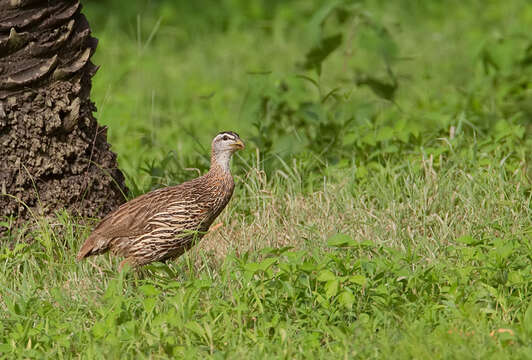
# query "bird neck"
(220, 162)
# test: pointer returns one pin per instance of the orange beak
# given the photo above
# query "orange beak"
(238, 145)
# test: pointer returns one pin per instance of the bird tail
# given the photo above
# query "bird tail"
(84, 251)
(92, 246)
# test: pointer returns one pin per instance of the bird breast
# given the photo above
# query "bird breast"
(196, 206)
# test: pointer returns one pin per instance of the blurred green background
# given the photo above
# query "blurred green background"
(334, 83)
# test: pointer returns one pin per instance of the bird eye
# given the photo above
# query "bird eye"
(225, 137)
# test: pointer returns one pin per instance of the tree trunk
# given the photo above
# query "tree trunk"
(53, 154)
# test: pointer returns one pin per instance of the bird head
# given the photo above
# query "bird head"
(224, 145)
(227, 141)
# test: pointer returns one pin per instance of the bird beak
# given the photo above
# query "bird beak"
(238, 145)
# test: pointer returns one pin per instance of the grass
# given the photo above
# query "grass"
(432, 275)
(368, 221)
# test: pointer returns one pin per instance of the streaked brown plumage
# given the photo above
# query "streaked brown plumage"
(162, 224)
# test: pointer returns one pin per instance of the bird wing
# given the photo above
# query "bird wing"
(133, 218)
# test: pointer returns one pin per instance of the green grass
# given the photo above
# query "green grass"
(377, 214)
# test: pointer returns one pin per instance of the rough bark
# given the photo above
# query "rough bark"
(53, 154)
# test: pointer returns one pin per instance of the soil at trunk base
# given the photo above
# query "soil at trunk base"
(53, 154)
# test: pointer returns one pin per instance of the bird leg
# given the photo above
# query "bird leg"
(128, 261)
(220, 224)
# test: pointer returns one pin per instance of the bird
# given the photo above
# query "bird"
(162, 224)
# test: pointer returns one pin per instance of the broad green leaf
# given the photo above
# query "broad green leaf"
(252, 267)
(341, 240)
(326, 275)
(346, 299)
(515, 277)
(467, 240)
(149, 304)
(504, 251)
(381, 88)
(385, 133)
(99, 329)
(319, 53)
(378, 40)
(308, 266)
(5, 348)
(358, 279)
(149, 290)
(364, 318)
(266, 263)
(331, 288)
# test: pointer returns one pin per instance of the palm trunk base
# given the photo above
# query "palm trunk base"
(53, 153)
